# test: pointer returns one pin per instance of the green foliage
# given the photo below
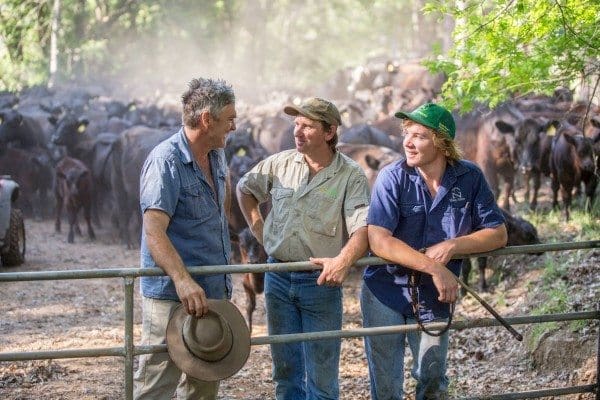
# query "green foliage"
(23, 39)
(285, 43)
(511, 47)
(502, 48)
(552, 291)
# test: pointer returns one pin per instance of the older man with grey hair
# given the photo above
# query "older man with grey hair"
(182, 198)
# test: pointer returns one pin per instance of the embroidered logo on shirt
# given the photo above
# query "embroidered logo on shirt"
(330, 192)
(456, 195)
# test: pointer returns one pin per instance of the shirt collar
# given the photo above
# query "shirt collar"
(184, 146)
(452, 171)
(336, 163)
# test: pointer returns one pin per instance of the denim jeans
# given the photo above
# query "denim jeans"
(295, 303)
(385, 354)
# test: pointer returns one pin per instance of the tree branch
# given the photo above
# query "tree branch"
(569, 28)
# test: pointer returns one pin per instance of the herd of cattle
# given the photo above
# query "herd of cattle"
(87, 149)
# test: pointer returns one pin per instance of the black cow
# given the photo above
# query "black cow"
(272, 132)
(241, 141)
(95, 151)
(33, 171)
(129, 153)
(520, 232)
(17, 128)
(368, 134)
(482, 142)
(593, 132)
(533, 147)
(8, 100)
(245, 246)
(252, 252)
(73, 189)
(371, 158)
(572, 162)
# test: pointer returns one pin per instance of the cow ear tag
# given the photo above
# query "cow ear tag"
(241, 152)
(551, 131)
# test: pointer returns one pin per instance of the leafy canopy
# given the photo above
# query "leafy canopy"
(261, 42)
(506, 48)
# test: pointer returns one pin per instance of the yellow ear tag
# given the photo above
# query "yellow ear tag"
(241, 152)
(551, 131)
(81, 128)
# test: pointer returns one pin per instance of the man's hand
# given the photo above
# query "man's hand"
(445, 283)
(442, 252)
(192, 297)
(334, 271)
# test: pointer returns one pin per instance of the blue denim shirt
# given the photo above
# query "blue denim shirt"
(401, 203)
(172, 181)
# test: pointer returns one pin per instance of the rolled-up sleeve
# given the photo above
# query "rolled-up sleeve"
(159, 185)
(356, 203)
(487, 214)
(258, 180)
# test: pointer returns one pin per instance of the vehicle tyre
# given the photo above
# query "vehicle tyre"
(13, 252)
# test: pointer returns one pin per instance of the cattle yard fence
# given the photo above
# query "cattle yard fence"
(129, 350)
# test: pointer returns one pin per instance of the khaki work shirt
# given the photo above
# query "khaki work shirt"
(308, 219)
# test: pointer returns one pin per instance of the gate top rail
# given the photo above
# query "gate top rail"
(291, 266)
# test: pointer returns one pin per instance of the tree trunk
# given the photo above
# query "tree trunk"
(54, 42)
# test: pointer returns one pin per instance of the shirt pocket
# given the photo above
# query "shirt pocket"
(457, 219)
(323, 216)
(282, 203)
(412, 213)
(412, 223)
(197, 203)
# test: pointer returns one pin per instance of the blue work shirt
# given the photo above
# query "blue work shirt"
(172, 181)
(401, 203)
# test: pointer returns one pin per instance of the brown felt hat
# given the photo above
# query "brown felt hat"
(210, 348)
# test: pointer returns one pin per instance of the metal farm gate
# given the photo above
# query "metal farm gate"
(129, 350)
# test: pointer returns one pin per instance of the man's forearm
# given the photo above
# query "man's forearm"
(356, 247)
(164, 254)
(251, 211)
(487, 239)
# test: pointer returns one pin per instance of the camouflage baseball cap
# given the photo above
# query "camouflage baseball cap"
(432, 116)
(317, 109)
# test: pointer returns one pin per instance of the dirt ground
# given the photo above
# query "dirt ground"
(70, 314)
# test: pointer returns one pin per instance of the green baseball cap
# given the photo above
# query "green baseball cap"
(316, 109)
(432, 116)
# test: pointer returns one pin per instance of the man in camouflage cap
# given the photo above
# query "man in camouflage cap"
(319, 206)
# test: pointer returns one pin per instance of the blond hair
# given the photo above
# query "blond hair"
(441, 141)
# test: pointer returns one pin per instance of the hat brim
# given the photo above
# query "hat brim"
(295, 111)
(415, 118)
(206, 370)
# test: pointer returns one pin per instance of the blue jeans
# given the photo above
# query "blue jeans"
(295, 303)
(385, 354)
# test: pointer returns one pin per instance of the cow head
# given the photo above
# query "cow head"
(520, 231)
(528, 135)
(10, 125)
(68, 129)
(251, 251)
(584, 148)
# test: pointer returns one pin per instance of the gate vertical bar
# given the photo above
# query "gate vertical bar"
(598, 359)
(129, 281)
